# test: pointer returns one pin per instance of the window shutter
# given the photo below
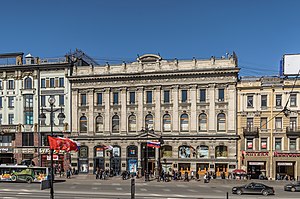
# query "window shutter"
(56, 82)
(47, 83)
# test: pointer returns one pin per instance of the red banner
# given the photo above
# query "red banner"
(58, 143)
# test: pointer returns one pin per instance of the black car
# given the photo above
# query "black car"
(292, 187)
(253, 188)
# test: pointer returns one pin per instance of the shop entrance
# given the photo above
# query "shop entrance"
(99, 163)
(257, 170)
(6, 158)
(148, 157)
(183, 167)
(115, 165)
(285, 170)
(221, 169)
(202, 169)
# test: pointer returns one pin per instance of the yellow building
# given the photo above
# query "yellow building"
(268, 118)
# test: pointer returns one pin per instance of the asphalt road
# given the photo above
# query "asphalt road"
(120, 189)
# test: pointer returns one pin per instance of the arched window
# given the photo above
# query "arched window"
(166, 151)
(221, 122)
(184, 151)
(116, 151)
(99, 124)
(83, 124)
(202, 122)
(184, 122)
(132, 123)
(28, 83)
(221, 151)
(149, 121)
(167, 122)
(202, 151)
(115, 124)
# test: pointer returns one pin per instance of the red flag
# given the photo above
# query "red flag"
(58, 143)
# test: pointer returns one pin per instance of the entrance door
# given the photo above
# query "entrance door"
(115, 165)
(220, 169)
(285, 170)
(99, 162)
(148, 157)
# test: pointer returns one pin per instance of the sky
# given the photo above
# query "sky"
(260, 32)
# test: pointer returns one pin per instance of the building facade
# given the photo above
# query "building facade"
(268, 119)
(25, 88)
(190, 105)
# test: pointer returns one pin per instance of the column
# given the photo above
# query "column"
(75, 116)
(90, 114)
(212, 107)
(124, 120)
(107, 117)
(157, 119)
(193, 100)
(140, 115)
(175, 118)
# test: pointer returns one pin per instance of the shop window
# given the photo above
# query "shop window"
(83, 124)
(264, 143)
(292, 144)
(167, 123)
(99, 124)
(132, 123)
(166, 151)
(5, 140)
(250, 101)
(221, 122)
(278, 144)
(116, 151)
(132, 151)
(184, 123)
(221, 151)
(99, 151)
(149, 121)
(27, 83)
(202, 151)
(115, 124)
(202, 122)
(184, 152)
(249, 143)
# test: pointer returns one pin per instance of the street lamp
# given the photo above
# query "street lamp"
(61, 116)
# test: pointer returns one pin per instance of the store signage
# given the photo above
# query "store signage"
(277, 154)
(55, 157)
(256, 163)
(47, 151)
(27, 150)
(284, 163)
(6, 150)
(256, 153)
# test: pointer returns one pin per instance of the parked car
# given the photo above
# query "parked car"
(254, 188)
(292, 186)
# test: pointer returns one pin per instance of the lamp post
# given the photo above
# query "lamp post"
(61, 116)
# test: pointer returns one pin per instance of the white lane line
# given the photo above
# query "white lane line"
(95, 188)
(119, 188)
(116, 184)
(192, 190)
(143, 189)
(166, 189)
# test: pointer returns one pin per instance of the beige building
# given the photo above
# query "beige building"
(268, 118)
(189, 104)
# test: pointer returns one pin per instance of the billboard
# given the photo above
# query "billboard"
(291, 64)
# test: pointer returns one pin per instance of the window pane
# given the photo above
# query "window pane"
(250, 101)
(184, 122)
(278, 123)
(43, 83)
(83, 99)
(221, 94)
(115, 124)
(202, 122)
(264, 100)
(99, 124)
(263, 123)
(167, 122)
(293, 100)
(292, 144)
(61, 82)
(132, 123)
(132, 98)
(83, 124)
(278, 100)
(149, 121)
(166, 96)
(277, 143)
(115, 98)
(149, 97)
(184, 96)
(99, 98)
(202, 95)
(221, 122)
(249, 143)
(264, 144)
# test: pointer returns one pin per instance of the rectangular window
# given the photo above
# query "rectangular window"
(250, 124)
(27, 139)
(11, 102)
(264, 143)
(293, 100)
(1, 118)
(278, 144)
(278, 123)
(83, 99)
(61, 100)
(28, 101)
(1, 102)
(202, 95)
(293, 123)
(99, 99)
(43, 100)
(115, 98)
(278, 100)
(61, 82)
(11, 84)
(221, 94)
(149, 97)
(263, 123)
(166, 97)
(28, 117)
(52, 82)
(250, 101)
(5, 140)
(249, 143)
(292, 144)
(1, 86)
(131, 97)
(10, 118)
(43, 83)
(184, 96)
(263, 102)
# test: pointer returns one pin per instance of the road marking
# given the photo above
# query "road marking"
(116, 184)
(73, 187)
(167, 189)
(21, 193)
(97, 183)
(218, 191)
(192, 190)
(143, 189)
(95, 188)
(181, 185)
(119, 188)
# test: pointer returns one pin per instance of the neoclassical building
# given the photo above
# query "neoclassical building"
(190, 104)
(268, 119)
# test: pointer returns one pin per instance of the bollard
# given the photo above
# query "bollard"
(132, 188)
(227, 195)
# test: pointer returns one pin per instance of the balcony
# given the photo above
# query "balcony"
(250, 132)
(293, 132)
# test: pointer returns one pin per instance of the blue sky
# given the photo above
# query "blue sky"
(259, 31)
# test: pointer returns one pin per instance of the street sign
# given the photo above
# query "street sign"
(45, 184)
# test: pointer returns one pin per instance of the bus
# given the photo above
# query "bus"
(23, 173)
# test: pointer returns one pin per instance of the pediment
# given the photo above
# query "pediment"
(148, 135)
(149, 58)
